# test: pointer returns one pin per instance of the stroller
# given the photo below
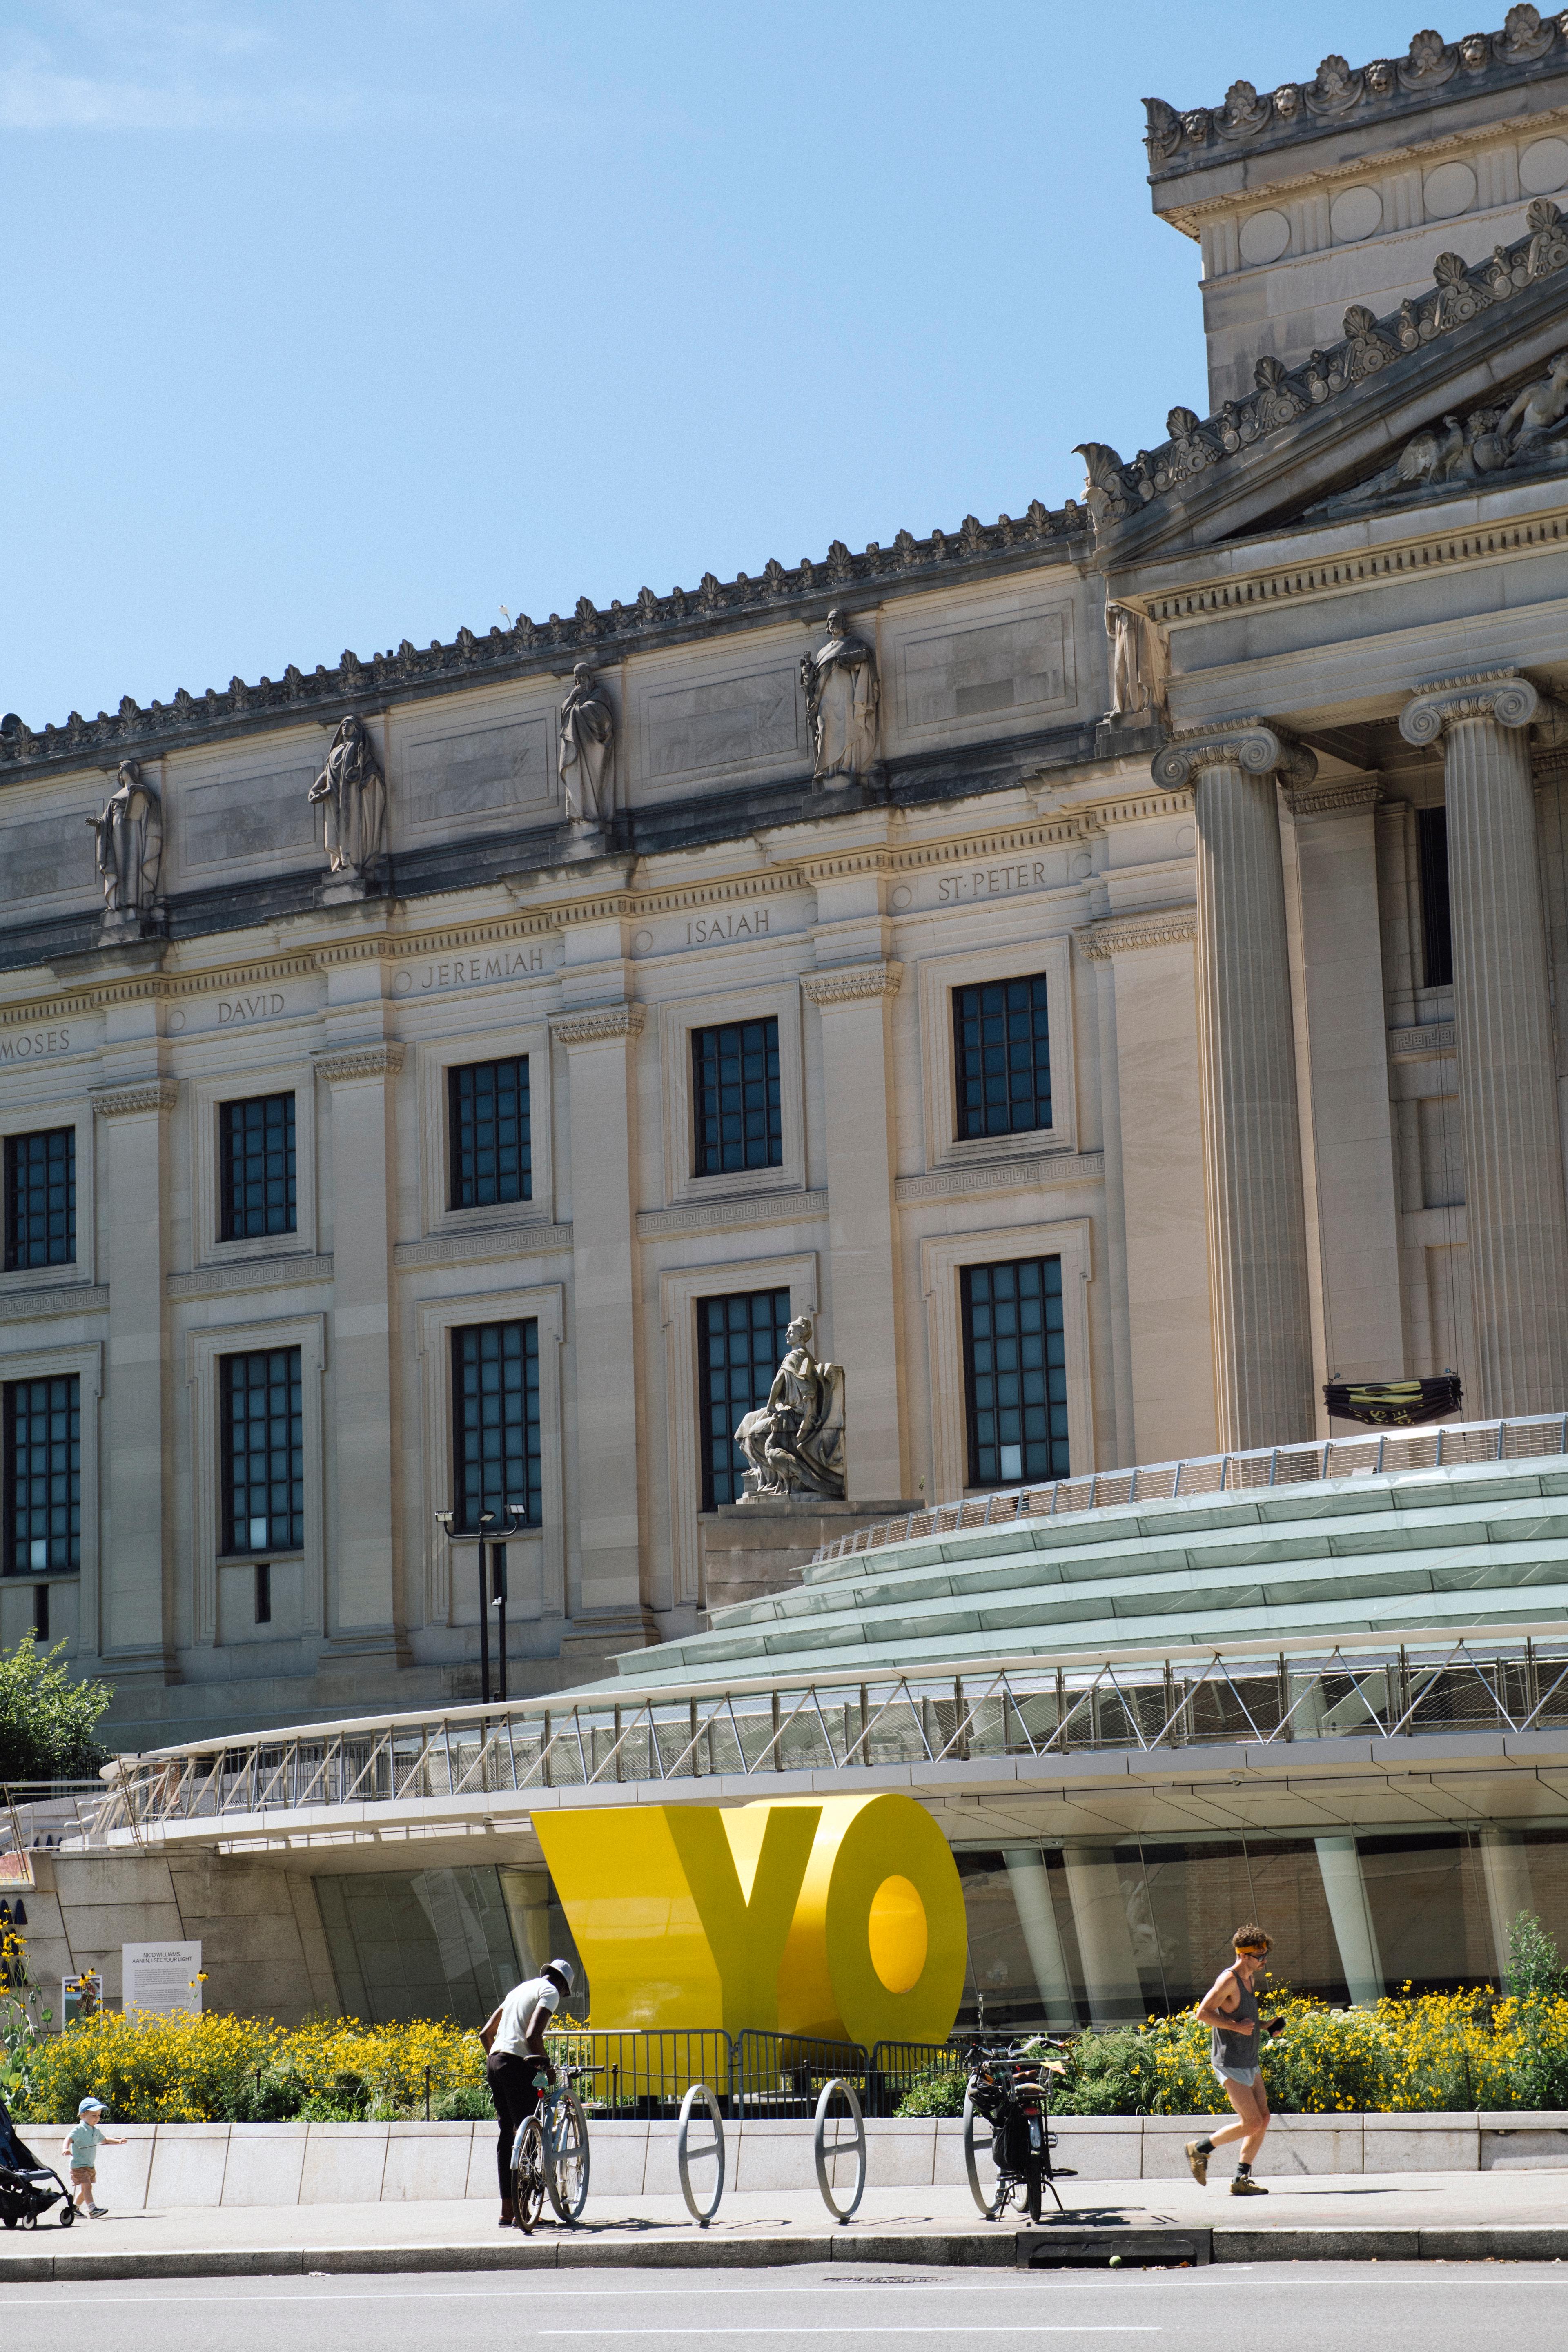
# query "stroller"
(24, 2183)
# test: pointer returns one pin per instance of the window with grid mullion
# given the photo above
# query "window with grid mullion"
(257, 1177)
(42, 1468)
(489, 1134)
(1002, 1058)
(741, 1342)
(40, 1199)
(262, 1445)
(737, 1114)
(1014, 1364)
(496, 1436)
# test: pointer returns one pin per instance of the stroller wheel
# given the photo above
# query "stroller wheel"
(68, 2214)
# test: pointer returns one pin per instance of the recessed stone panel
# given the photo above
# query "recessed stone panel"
(755, 720)
(1448, 191)
(486, 772)
(47, 856)
(239, 817)
(1000, 670)
(1265, 236)
(1544, 166)
(1355, 213)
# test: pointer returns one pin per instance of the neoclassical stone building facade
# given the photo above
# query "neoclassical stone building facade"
(1102, 964)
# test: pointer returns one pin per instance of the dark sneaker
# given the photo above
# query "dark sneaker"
(1244, 2185)
(1199, 2163)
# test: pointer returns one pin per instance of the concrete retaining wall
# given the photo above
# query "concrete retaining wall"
(170, 2165)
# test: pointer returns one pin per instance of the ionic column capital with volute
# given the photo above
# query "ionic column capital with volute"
(1258, 747)
(1503, 695)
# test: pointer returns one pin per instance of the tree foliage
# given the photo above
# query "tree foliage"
(49, 1720)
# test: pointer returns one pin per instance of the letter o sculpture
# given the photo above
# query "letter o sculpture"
(876, 1952)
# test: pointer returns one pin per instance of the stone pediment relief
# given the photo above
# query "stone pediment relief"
(1518, 439)
(1205, 459)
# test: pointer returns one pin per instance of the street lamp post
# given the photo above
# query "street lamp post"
(492, 1582)
(515, 1520)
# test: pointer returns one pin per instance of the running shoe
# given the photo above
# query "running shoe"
(1199, 2163)
(1244, 2185)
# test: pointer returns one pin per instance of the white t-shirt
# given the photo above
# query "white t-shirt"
(517, 2008)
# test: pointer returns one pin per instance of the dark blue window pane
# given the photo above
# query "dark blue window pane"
(736, 1119)
(741, 1343)
(43, 1476)
(1015, 1367)
(262, 1451)
(494, 1422)
(1002, 1058)
(256, 1182)
(489, 1131)
(41, 1198)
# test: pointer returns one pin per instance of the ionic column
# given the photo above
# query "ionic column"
(856, 1003)
(601, 1059)
(364, 1614)
(1246, 1059)
(1514, 1210)
(136, 1635)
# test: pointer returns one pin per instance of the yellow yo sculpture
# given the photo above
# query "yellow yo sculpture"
(840, 1917)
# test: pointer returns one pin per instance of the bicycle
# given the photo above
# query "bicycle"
(1010, 2090)
(550, 2153)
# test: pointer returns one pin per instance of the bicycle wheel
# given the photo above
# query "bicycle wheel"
(566, 2158)
(527, 2177)
(992, 2200)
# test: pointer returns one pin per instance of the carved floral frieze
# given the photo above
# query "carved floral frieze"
(528, 645)
(1116, 489)
(1529, 43)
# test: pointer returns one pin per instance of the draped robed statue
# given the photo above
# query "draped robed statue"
(794, 1443)
(350, 792)
(587, 757)
(128, 840)
(842, 703)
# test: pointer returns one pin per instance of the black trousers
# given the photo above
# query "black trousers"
(512, 2089)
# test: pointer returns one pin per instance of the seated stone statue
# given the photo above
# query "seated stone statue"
(794, 1443)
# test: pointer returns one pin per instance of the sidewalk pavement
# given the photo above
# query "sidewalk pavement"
(1516, 2212)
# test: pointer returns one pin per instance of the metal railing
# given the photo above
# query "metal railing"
(1441, 1446)
(938, 1715)
(36, 1815)
(752, 2074)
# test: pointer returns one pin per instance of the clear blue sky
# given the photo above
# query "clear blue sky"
(329, 322)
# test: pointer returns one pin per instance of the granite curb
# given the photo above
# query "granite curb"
(591, 2248)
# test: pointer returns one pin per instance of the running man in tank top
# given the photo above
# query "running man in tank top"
(1229, 2010)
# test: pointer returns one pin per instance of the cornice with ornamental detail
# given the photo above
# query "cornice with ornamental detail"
(856, 984)
(1257, 746)
(133, 1102)
(1173, 926)
(1337, 800)
(348, 1063)
(1505, 696)
(599, 1025)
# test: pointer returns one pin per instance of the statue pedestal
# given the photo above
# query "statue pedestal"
(347, 889)
(751, 1550)
(124, 927)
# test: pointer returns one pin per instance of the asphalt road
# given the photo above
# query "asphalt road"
(1283, 2306)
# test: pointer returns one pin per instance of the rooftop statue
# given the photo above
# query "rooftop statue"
(843, 702)
(586, 755)
(794, 1443)
(351, 793)
(129, 843)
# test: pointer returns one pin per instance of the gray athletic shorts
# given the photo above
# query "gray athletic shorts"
(1246, 2075)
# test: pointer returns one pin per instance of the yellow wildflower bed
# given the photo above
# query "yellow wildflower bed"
(215, 2068)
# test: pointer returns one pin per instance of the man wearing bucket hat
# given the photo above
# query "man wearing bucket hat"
(1229, 2010)
(82, 2146)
